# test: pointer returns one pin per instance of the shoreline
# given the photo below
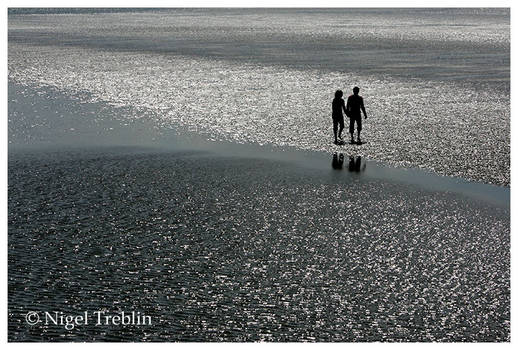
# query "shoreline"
(236, 234)
(300, 159)
(266, 237)
(144, 134)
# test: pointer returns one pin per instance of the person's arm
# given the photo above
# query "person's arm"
(347, 108)
(363, 108)
(343, 106)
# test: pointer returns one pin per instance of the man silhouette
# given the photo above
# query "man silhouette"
(353, 110)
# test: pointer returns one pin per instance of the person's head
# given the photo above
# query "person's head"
(356, 90)
(339, 94)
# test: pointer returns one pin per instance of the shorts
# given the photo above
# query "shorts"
(358, 120)
(338, 121)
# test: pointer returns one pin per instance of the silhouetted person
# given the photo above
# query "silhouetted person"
(353, 110)
(338, 117)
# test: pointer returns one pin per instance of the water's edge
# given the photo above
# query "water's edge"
(144, 134)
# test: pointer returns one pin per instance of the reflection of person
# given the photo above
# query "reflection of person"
(353, 110)
(355, 164)
(338, 117)
(338, 161)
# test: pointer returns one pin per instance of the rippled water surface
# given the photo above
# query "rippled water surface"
(137, 179)
(435, 82)
(221, 249)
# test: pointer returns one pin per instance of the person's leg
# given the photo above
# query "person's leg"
(335, 128)
(359, 126)
(341, 128)
(351, 128)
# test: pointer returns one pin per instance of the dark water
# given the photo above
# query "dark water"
(123, 196)
(219, 249)
(216, 244)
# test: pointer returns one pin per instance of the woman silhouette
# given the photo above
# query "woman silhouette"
(338, 117)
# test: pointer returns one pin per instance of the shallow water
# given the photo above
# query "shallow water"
(219, 249)
(128, 192)
(222, 242)
(48, 119)
(436, 83)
